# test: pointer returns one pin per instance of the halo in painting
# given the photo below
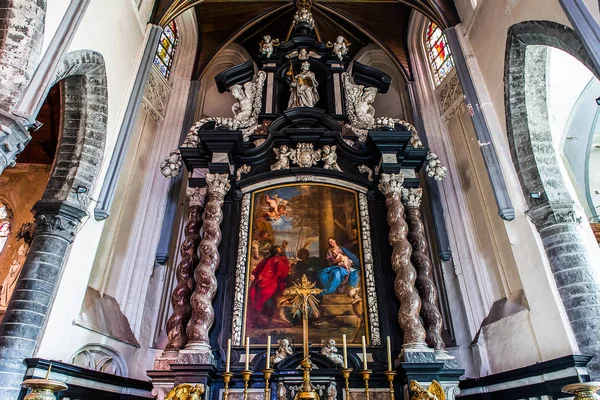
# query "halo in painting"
(312, 230)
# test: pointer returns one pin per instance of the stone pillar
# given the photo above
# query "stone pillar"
(406, 275)
(197, 350)
(20, 330)
(576, 272)
(22, 35)
(180, 299)
(430, 313)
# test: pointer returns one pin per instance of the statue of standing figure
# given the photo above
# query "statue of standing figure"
(303, 88)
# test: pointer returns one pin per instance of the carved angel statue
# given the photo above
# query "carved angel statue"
(434, 392)
(330, 351)
(267, 44)
(332, 391)
(243, 170)
(284, 351)
(329, 157)
(281, 391)
(242, 109)
(303, 88)
(340, 47)
(282, 154)
(358, 103)
(186, 391)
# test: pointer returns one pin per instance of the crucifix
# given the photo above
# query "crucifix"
(306, 303)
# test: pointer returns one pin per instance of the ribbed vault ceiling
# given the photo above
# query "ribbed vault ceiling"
(384, 22)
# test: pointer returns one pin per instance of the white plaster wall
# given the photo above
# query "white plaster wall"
(112, 28)
(484, 40)
(484, 43)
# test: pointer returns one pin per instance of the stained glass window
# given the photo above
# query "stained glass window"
(166, 49)
(438, 53)
(4, 225)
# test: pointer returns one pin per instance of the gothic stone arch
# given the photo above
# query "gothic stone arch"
(59, 212)
(551, 207)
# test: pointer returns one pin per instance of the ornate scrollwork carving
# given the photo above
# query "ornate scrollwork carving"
(435, 391)
(245, 117)
(434, 167)
(305, 156)
(240, 273)
(186, 391)
(371, 291)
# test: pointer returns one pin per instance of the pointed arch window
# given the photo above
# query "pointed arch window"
(438, 53)
(5, 225)
(166, 49)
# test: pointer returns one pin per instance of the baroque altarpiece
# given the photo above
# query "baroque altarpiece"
(304, 188)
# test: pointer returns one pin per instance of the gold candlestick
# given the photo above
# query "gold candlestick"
(226, 379)
(246, 374)
(366, 374)
(583, 391)
(43, 389)
(346, 375)
(390, 375)
(267, 372)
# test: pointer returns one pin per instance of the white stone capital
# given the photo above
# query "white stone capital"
(391, 183)
(196, 196)
(218, 183)
(412, 197)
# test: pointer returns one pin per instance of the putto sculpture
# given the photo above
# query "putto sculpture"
(284, 351)
(329, 157)
(330, 351)
(340, 47)
(267, 46)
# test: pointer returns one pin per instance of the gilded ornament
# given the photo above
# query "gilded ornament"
(435, 391)
(186, 391)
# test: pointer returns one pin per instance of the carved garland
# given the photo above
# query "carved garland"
(240, 273)
(369, 271)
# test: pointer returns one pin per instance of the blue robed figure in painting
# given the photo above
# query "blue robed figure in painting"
(342, 268)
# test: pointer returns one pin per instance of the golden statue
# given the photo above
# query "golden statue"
(186, 391)
(435, 391)
(306, 303)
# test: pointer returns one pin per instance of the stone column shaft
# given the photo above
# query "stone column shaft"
(203, 314)
(576, 272)
(406, 275)
(430, 313)
(55, 227)
(180, 299)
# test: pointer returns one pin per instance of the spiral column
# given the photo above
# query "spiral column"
(430, 313)
(182, 293)
(203, 315)
(404, 285)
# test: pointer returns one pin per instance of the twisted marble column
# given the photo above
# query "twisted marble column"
(430, 313)
(203, 314)
(180, 299)
(406, 275)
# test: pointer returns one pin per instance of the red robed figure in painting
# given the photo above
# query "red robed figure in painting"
(269, 281)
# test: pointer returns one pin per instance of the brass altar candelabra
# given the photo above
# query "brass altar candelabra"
(246, 375)
(43, 389)
(583, 391)
(267, 372)
(226, 379)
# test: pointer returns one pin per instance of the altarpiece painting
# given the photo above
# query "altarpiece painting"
(312, 230)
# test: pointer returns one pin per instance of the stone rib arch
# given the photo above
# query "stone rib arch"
(83, 128)
(527, 123)
(575, 265)
(58, 214)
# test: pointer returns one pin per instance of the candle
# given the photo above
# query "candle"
(268, 351)
(364, 348)
(389, 354)
(247, 353)
(228, 359)
(345, 351)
